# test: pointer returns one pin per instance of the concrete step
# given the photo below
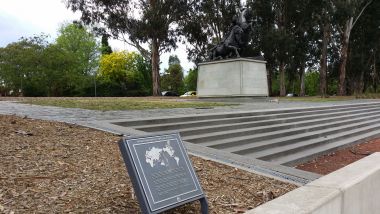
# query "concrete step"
(244, 144)
(311, 153)
(241, 118)
(139, 124)
(202, 138)
(267, 147)
(319, 139)
(242, 125)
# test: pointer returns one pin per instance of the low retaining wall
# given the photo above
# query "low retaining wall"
(354, 189)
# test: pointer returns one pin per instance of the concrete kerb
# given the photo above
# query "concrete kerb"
(279, 172)
(351, 190)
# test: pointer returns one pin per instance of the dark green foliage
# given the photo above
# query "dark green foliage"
(22, 66)
(191, 80)
(172, 79)
(364, 57)
(205, 24)
(105, 48)
(289, 35)
(292, 35)
(173, 59)
(153, 25)
(145, 69)
(81, 45)
(312, 83)
(33, 67)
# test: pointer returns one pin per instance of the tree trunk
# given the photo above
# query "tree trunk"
(344, 56)
(323, 62)
(282, 80)
(269, 79)
(155, 68)
(361, 82)
(374, 73)
(302, 78)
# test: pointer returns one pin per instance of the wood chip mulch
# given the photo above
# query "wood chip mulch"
(52, 167)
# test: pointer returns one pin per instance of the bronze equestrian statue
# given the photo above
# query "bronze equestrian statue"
(236, 39)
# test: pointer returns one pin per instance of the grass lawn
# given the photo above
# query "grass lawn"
(120, 103)
(318, 99)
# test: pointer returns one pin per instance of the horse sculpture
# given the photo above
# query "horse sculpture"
(236, 39)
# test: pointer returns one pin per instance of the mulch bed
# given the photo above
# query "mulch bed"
(51, 167)
(328, 163)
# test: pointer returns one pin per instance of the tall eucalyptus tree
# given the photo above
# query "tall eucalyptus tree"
(149, 25)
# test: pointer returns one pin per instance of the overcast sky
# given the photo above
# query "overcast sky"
(25, 18)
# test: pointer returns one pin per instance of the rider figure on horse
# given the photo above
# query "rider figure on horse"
(236, 38)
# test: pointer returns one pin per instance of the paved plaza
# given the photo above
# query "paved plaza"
(83, 116)
(105, 120)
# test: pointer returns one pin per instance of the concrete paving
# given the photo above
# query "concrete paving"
(82, 116)
(261, 114)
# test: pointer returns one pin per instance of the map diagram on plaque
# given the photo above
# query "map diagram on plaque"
(160, 156)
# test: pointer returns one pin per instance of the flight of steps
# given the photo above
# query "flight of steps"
(285, 137)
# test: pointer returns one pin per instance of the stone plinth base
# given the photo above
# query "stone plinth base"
(241, 77)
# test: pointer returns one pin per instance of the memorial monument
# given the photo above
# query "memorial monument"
(226, 74)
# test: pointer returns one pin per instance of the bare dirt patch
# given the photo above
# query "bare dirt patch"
(51, 167)
(341, 158)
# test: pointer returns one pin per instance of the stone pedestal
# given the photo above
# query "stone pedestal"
(240, 77)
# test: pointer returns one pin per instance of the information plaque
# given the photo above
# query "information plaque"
(161, 172)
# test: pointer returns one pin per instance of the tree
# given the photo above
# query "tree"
(56, 70)
(172, 79)
(205, 24)
(362, 75)
(325, 27)
(274, 25)
(310, 23)
(173, 59)
(21, 66)
(75, 40)
(349, 12)
(191, 80)
(150, 23)
(122, 74)
(312, 82)
(265, 30)
(302, 37)
(105, 48)
(34, 67)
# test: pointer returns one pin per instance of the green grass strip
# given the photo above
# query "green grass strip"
(112, 104)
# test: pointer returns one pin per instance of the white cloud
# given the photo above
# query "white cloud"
(28, 17)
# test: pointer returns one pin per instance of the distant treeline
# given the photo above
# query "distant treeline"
(311, 47)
